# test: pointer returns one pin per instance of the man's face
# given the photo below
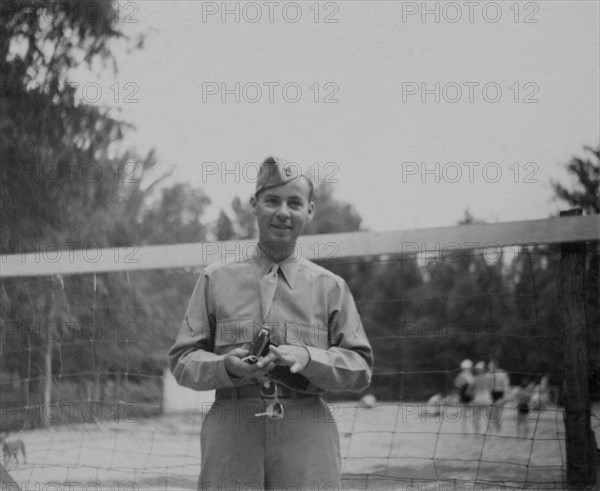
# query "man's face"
(282, 212)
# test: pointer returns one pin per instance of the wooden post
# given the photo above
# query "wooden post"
(580, 441)
(7, 483)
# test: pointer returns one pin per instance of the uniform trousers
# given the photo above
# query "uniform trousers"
(243, 452)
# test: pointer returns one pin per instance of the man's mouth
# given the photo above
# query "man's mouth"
(281, 227)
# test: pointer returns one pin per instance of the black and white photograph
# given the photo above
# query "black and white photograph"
(300, 245)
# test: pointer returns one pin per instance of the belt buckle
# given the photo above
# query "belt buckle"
(269, 393)
(268, 389)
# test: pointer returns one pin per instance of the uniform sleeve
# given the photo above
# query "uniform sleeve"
(347, 364)
(191, 359)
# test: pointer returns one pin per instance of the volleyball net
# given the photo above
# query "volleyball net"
(88, 402)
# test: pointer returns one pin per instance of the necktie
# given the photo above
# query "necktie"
(267, 285)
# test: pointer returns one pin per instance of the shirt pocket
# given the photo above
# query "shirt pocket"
(313, 335)
(235, 333)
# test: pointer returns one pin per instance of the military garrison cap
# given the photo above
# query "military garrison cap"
(275, 171)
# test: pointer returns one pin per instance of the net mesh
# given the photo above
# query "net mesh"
(85, 385)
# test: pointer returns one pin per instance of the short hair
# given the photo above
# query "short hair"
(311, 189)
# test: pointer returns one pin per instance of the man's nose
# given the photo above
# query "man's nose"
(283, 211)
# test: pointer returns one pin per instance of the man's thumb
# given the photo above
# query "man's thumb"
(238, 352)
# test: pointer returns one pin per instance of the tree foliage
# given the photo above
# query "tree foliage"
(332, 216)
(587, 172)
(245, 222)
(65, 185)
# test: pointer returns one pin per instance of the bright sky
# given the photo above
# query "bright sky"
(517, 96)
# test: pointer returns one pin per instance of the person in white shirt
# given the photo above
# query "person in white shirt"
(481, 390)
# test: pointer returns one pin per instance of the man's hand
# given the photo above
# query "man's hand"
(239, 369)
(296, 357)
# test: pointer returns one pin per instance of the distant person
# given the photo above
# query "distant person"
(541, 394)
(481, 390)
(462, 389)
(500, 387)
(523, 398)
(434, 406)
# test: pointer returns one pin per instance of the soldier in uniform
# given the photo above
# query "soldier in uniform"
(269, 427)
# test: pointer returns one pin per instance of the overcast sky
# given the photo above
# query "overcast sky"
(370, 95)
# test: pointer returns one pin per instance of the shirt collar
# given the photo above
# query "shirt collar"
(288, 267)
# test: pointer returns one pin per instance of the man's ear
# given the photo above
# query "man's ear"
(311, 211)
(253, 204)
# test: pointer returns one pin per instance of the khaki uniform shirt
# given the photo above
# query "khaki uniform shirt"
(312, 307)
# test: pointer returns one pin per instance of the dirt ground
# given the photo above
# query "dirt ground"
(390, 446)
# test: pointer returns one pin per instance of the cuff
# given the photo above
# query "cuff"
(317, 359)
(223, 377)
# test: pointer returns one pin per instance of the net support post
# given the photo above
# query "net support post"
(580, 442)
(7, 483)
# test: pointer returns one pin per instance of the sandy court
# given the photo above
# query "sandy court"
(390, 443)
